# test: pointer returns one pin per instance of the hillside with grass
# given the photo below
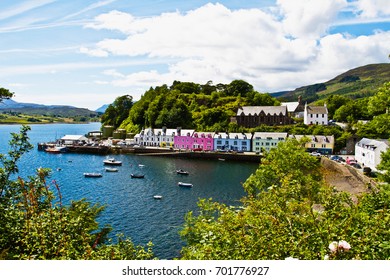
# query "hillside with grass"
(356, 83)
(15, 112)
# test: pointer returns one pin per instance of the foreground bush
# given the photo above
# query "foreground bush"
(290, 213)
(34, 224)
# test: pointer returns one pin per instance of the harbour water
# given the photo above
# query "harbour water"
(130, 206)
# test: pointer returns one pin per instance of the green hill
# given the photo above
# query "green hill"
(355, 83)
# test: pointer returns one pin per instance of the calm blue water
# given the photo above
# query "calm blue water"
(130, 206)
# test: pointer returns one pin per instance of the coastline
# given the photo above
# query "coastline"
(156, 151)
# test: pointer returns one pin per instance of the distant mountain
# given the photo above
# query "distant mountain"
(10, 105)
(355, 83)
(102, 109)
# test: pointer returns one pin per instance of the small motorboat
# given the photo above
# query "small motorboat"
(112, 161)
(157, 196)
(93, 175)
(55, 150)
(137, 176)
(111, 169)
(181, 184)
(182, 172)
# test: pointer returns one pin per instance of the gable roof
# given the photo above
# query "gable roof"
(320, 139)
(291, 106)
(271, 110)
(317, 110)
(373, 144)
(74, 138)
(273, 135)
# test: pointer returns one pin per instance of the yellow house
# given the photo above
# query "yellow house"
(318, 143)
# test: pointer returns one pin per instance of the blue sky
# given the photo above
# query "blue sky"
(87, 53)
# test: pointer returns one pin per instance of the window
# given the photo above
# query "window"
(313, 145)
(244, 143)
(219, 142)
(323, 145)
(235, 143)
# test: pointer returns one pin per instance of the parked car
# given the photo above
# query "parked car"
(316, 154)
(367, 171)
(336, 158)
(351, 160)
(356, 165)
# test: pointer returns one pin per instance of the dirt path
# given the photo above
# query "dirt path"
(345, 178)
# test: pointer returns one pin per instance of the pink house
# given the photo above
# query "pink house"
(191, 140)
(203, 141)
(183, 140)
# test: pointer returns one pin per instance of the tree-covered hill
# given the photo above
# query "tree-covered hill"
(355, 83)
(205, 107)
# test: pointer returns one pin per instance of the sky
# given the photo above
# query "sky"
(87, 53)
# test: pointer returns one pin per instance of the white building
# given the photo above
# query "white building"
(315, 115)
(159, 137)
(156, 137)
(368, 152)
(73, 139)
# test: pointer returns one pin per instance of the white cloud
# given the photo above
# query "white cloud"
(308, 18)
(373, 8)
(94, 52)
(272, 51)
(113, 20)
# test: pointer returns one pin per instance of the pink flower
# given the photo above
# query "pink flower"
(344, 245)
(333, 246)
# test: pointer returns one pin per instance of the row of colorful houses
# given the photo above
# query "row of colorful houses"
(189, 139)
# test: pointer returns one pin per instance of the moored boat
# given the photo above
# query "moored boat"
(157, 196)
(182, 172)
(112, 161)
(181, 184)
(93, 175)
(110, 169)
(55, 150)
(137, 176)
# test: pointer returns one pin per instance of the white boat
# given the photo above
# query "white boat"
(157, 196)
(182, 172)
(111, 169)
(181, 184)
(93, 175)
(112, 161)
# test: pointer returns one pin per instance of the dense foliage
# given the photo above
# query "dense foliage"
(205, 107)
(289, 212)
(34, 224)
(5, 93)
(118, 111)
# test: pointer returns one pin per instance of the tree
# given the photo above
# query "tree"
(333, 102)
(5, 94)
(385, 167)
(238, 87)
(380, 102)
(34, 224)
(290, 212)
(118, 111)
